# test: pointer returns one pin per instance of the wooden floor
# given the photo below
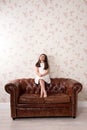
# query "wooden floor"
(79, 123)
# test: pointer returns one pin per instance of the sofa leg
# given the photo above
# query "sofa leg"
(74, 117)
(13, 118)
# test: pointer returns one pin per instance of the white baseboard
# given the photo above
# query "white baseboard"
(7, 105)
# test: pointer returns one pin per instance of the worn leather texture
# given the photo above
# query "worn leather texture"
(26, 102)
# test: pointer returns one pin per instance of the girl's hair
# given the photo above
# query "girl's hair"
(46, 66)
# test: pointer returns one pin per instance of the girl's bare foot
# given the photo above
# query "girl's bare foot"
(41, 94)
(45, 95)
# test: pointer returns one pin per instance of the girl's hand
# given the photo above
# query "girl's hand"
(40, 75)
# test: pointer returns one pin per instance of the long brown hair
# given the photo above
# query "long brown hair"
(46, 66)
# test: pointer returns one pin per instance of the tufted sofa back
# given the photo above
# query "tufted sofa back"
(57, 85)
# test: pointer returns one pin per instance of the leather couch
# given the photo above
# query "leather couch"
(25, 98)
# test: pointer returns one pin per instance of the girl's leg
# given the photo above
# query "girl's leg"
(43, 91)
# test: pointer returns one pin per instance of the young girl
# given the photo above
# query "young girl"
(42, 74)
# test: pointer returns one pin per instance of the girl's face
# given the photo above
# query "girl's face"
(42, 58)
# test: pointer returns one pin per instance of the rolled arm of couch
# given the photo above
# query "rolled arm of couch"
(13, 88)
(10, 87)
(16, 87)
(73, 87)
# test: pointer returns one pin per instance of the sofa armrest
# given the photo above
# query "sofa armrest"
(17, 87)
(73, 87)
(13, 89)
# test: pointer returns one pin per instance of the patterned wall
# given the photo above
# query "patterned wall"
(31, 27)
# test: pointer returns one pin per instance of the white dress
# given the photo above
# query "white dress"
(46, 78)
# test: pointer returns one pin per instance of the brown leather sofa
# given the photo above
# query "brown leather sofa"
(25, 98)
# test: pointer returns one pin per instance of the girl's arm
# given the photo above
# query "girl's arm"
(37, 71)
(46, 72)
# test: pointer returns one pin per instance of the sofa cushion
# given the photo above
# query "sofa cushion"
(30, 98)
(57, 98)
(34, 98)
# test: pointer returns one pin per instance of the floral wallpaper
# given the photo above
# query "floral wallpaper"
(57, 28)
